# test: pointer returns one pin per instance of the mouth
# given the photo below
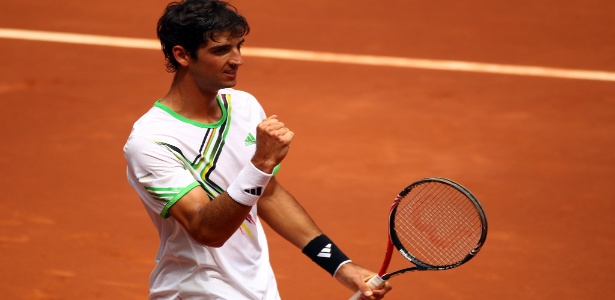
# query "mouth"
(231, 74)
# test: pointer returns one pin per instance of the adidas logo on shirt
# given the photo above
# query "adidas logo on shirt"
(326, 251)
(250, 140)
(254, 191)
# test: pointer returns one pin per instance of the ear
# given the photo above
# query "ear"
(181, 55)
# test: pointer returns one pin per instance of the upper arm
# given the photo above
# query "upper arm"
(209, 222)
(157, 174)
(186, 209)
(168, 187)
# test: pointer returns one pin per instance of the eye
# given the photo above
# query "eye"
(220, 50)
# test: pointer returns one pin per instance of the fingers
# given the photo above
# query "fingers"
(381, 291)
(368, 293)
(272, 143)
(274, 127)
(358, 278)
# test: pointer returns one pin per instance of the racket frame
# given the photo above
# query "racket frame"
(419, 265)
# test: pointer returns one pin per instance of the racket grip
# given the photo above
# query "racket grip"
(373, 283)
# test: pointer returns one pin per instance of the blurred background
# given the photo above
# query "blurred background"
(536, 150)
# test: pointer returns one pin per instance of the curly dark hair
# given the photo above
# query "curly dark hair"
(192, 23)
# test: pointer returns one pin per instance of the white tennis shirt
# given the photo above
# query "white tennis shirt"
(169, 155)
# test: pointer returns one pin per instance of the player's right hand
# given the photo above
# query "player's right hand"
(272, 144)
(354, 277)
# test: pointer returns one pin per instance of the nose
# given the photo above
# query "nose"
(236, 60)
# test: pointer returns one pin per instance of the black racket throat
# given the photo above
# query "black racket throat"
(402, 271)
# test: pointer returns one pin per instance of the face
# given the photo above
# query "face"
(217, 63)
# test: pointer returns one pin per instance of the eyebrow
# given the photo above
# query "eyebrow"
(227, 44)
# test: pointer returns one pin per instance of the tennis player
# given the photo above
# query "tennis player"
(203, 160)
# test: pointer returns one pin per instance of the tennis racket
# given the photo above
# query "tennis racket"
(436, 224)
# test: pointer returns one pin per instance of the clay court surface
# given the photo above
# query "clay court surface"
(536, 150)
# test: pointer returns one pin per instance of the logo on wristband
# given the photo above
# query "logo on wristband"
(326, 251)
(257, 191)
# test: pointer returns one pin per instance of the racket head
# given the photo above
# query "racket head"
(437, 224)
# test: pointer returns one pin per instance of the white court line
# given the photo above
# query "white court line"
(388, 61)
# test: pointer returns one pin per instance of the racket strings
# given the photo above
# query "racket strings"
(440, 238)
(447, 238)
(438, 224)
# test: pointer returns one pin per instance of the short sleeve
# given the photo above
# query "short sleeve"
(157, 173)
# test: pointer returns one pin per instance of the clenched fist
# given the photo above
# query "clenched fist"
(272, 143)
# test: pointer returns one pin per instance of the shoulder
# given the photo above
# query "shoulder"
(156, 123)
(151, 117)
(239, 98)
(237, 93)
(150, 129)
(137, 144)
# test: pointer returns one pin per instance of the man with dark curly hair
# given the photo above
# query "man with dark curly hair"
(203, 161)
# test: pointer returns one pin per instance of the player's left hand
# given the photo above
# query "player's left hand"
(355, 277)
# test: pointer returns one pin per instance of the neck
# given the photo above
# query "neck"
(187, 100)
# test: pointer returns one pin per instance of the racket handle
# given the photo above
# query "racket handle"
(373, 283)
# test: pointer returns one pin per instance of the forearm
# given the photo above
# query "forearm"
(286, 216)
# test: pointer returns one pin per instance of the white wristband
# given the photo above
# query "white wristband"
(249, 185)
